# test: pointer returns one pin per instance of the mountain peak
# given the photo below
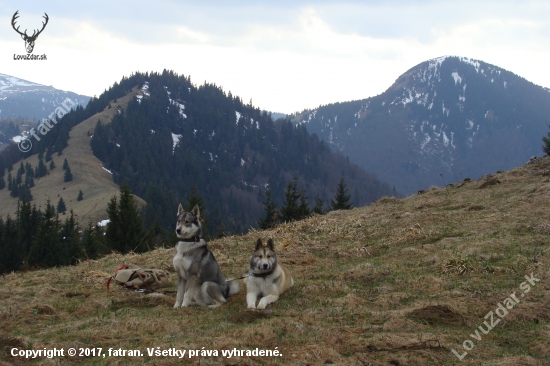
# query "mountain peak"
(29, 100)
(439, 60)
(10, 85)
(449, 115)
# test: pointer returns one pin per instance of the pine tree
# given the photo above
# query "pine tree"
(291, 209)
(113, 232)
(48, 154)
(2, 183)
(11, 253)
(131, 220)
(270, 208)
(61, 208)
(29, 171)
(65, 164)
(80, 196)
(319, 203)
(68, 175)
(29, 180)
(341, 200)
(546, 143)
(125, 229)
(196, 199)
(43, 250)
(21, 169)
(13, 186)
(2, 244)
(52, 165)
(19, 177)
(93, 243)
(303, 209)
(41, 169)
(69, 249)
(28, 220)
(24, 193)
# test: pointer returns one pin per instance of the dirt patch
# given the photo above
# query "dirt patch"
(429, 344)
(488, 181)
(247, 316)
(76, 294)
(476, 208)
(143, 302)
(7, 343)
(38, 310)
(438, 315)
(302, 260)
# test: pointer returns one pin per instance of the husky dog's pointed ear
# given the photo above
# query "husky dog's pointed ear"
(180, 209)
(270, 244)
(259, 244)
(196, 212)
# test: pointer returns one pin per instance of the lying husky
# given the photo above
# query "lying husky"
(200, 279)
(267, 278)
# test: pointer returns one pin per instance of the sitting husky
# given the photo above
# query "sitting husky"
(266, 278)
(200, 279)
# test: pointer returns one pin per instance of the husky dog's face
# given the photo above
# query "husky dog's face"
(264, 257)
(188, 223)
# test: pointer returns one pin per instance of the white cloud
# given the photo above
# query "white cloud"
(285, 57)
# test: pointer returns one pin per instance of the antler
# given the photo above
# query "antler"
(34, 35)
(15, 16)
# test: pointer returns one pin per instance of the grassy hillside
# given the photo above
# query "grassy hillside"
(96, 184)
(401, 282)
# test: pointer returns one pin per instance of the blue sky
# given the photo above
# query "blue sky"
(285, 56)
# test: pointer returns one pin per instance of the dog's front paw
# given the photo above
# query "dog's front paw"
(264, 301)
(176, 306)
(251, 298)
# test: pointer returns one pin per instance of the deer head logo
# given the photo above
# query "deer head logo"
(29, 40)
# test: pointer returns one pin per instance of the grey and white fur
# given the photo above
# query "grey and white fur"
(200, 279)
(267, 278)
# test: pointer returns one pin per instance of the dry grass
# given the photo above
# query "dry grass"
(401, 282)
(96, 184)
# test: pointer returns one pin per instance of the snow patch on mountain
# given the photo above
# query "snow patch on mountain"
(178, 105)
(103, 223)
(411, 96)
(11, 84)
(445, 110)
(426, 141)
(175, 141)
(144, 89)
(457, 77)
(470, 61)
(181, 108)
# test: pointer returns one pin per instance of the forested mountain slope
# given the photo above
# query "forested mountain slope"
(175, 136)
